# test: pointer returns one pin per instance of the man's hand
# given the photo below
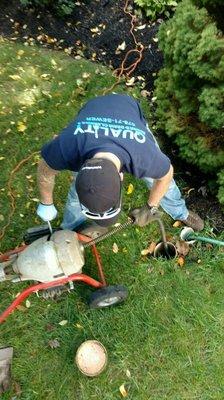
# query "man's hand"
(5, 365)
(47, 212)
(144, 215)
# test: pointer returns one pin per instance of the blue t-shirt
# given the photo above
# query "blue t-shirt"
(113, 123)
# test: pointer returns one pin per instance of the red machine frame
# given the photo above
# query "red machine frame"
(41, 286)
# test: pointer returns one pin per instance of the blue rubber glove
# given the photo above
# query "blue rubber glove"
(47, 212)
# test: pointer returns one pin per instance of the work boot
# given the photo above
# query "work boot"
(194, 221)
(92, 230)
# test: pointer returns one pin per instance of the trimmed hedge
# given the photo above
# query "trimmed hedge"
(190, 88)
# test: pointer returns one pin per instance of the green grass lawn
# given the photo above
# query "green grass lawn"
(166, 340)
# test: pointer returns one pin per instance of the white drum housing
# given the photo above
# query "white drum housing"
(48, 260)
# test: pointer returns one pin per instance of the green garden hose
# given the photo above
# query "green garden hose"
(188, 235)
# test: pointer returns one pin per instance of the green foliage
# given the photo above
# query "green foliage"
(153, 8)
(190, 87)
(62, 7)
(221, 186)
(205, 3)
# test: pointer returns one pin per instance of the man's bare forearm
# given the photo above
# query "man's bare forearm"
(160, 188)
(46, 180)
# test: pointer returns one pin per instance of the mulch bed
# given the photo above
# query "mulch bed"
(95, 30)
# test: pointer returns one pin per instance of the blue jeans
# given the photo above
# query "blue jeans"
(172, 203)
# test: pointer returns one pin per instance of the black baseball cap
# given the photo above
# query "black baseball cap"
(98, 186)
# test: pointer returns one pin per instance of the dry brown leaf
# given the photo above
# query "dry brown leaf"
(144, 252)
(54, 343)
(182, 247)
(17, 389)
(177, 224)
(152, 247)
(21, 308)
(123, 391)
(181, 261)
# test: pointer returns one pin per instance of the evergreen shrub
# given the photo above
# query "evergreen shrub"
(190, 88)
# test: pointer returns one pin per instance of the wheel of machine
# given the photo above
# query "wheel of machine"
(108, 296)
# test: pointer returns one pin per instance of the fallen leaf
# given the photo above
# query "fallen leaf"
(177, 224)
(121, 46)
(17, 389)
(144, 252)
(128, 373)
(94, 30)
(152, 247)
(130, 188)
(181, 261)
(149, 250)
(190, 190)
(54, 343)
(49, 327)
(130, 82)
(21, 127)
(79, 326)
(115, 248)
(123, 391)
(21, 308)
(203, 191)
(53, 62)
(15, 77)
(2, 217)
(85, 75)
(79, 82)
(28, 304)
(20, 52)
(140, 27)
(145, 93)
(63, 322)
(45, 76)
(182, 247)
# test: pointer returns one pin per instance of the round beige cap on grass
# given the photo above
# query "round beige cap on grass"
(91, 358)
